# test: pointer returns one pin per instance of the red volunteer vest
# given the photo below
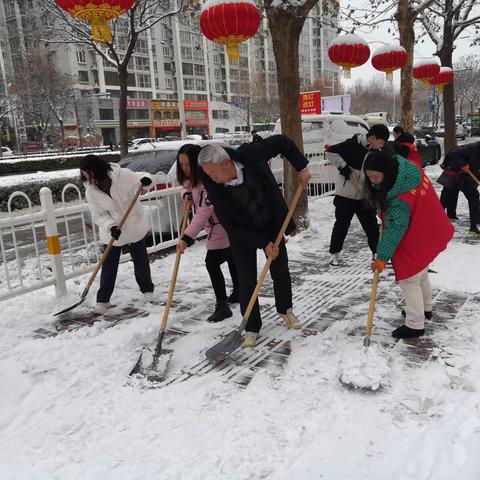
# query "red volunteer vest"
(428, 233)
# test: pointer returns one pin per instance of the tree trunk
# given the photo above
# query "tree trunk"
(405, 21)
(122, 108)
(285, 29)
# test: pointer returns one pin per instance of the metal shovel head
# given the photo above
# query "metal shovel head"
(65, 310)
(224, 347)
(152, 366)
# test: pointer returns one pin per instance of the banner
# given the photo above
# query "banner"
(310, 103)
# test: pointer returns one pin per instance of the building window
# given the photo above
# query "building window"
(81, 57)
(187, 68)
(169, 83)
(167, 67)
(106, 113)
(188, 84)
(144, 81)
(200, 84)
(199, 70)
(167, 51)
(186, 53)
(185, 37)
(83, 76)
(137, 114)
(142, 63)
(141, 46)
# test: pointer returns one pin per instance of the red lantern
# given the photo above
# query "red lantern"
(230, 22)
(98, 13)
(389, 58)
(444, 77)
(349, 51)
(425, 70)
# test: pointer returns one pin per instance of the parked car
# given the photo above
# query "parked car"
(6, 152)
(164, 214)
(460, 131)
(428, 147)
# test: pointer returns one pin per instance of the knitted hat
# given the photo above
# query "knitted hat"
(380, 162)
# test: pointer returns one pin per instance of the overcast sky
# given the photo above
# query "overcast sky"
(379, 37)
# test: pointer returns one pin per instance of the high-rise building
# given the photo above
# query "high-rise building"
(178, 81)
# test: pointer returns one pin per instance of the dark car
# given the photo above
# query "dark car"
(428, 147)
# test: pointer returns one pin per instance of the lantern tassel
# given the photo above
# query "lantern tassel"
(101, 31)
(389, 76)
(233, 52)
(346, 72)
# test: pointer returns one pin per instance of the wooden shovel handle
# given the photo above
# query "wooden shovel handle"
(373, 299)
(173, 281)
(473, 176)
(110, 243)
(269, 261)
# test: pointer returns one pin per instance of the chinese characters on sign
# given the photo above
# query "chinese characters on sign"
(310, 103)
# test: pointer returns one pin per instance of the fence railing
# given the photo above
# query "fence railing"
(54, 243)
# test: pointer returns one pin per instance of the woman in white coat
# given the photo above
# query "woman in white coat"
(109, 189)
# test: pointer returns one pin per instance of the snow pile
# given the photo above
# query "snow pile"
(364, 367)
(349, 39)
(388, 49)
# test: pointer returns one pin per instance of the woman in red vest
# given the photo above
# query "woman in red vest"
(411, 212)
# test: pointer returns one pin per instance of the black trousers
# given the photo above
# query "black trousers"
(449, 200)
(213, 260)
(245, 259)
(345, 209)
(138, 252)
(471, 194)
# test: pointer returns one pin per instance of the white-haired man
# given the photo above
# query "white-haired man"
(251, 208)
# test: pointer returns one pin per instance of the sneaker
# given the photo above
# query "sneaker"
(474, 231)
(407, 332)
(290, 319)
(222, 311)
(334, 260)
(148, 297)
(428, 315)
(250, 340)
(101, 308)
(234, 297)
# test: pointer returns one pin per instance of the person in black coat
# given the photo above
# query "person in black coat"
(458, 160)
(251, 208)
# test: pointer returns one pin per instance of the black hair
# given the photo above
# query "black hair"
(253, 132)
(95, 164)
(191, 151)
(398, 129)
(380, 131)
(381, 162)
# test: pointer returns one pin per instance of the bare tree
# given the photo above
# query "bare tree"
(6, 107)
(264, 106)
(467, 80)
(285, 21)
(126, 31)
(444, 21)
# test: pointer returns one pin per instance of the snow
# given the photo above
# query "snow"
(38, 177)
(425, 61)
(69, 410)
(213, 3)
(349, 39)
(387, 49)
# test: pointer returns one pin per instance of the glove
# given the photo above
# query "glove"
(379, 265)
(146, 181)
(465, 168)
(116, 232)
(346, 171)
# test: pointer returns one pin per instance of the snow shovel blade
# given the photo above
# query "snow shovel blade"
(65, 310)
(224, 347)
(151, 366)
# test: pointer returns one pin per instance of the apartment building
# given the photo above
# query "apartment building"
(179, 82)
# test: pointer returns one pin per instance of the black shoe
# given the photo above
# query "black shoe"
(428, 315)
(234, 297)
(407, 332)
(222, 311)
(474, 231)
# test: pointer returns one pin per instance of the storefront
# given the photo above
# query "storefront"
(196, 116)
(165, 118)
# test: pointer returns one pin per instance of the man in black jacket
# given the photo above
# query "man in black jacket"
(458, 160)
(251, 208)
(349, 157)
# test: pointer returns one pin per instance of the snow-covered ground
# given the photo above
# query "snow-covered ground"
(69, 410)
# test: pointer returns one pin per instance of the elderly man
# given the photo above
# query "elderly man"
(251, 208)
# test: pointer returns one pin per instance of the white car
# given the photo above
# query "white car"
(138, 143)
(6, 152)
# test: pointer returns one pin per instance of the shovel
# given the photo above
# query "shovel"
(371, 309)
(466, 169)
(233, 340)
(153, 365)
(104, 256)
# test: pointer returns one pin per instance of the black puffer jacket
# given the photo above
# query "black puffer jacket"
(252, 213)
(463, 155)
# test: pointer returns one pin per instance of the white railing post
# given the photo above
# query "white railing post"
(53, 241)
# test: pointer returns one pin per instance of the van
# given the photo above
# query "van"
(375, 118)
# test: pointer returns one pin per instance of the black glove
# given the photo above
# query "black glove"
(146, 181)
(116, 232)
(346, 171)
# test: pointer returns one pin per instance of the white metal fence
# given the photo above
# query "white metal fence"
(50, 244)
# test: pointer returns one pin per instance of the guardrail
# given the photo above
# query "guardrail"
(54, 243)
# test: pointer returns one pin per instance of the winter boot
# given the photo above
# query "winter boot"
(334, 260)
(290, 319)
(428, 315)
(148, 297)
(222, 311)
(250, 340)
(234, 297)
(474, 231)
(101, 308)
(407, 332)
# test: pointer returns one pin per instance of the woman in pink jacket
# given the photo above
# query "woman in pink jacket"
(218, 245)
